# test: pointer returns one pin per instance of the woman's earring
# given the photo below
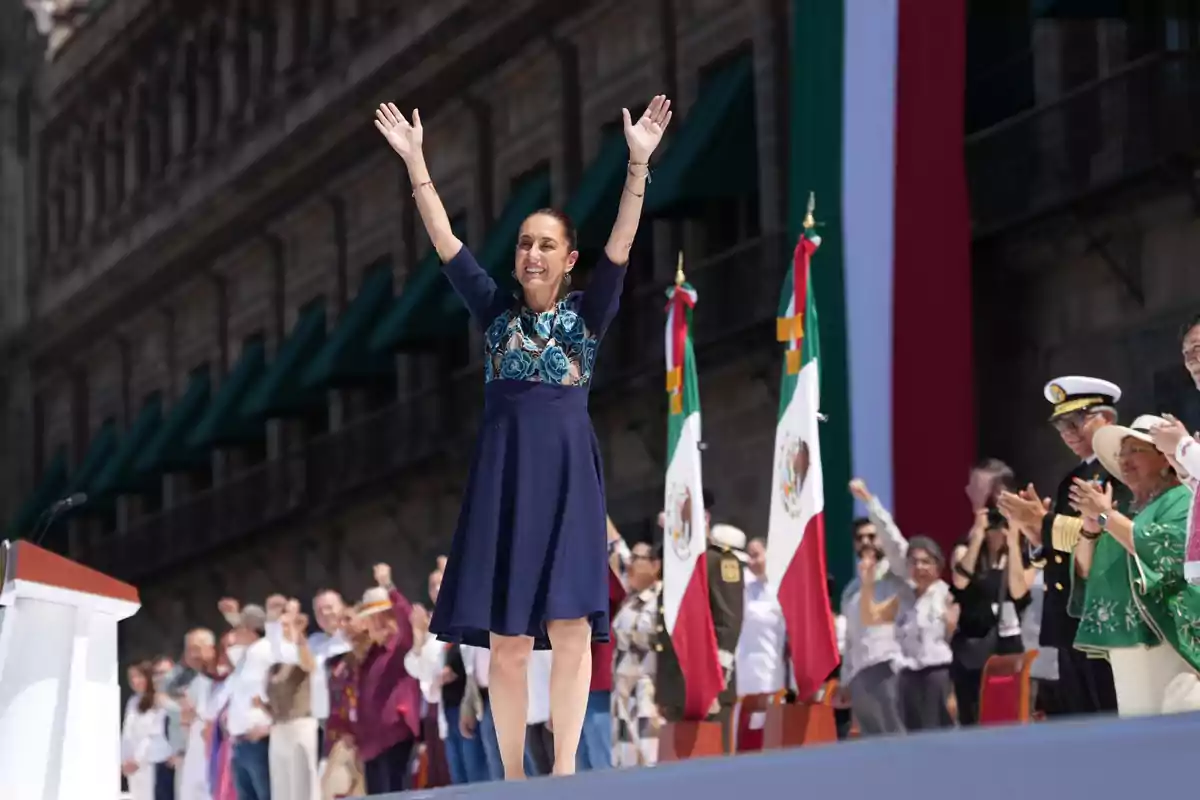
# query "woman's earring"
(567, 279)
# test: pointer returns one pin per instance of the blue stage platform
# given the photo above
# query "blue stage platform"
(1095, 760)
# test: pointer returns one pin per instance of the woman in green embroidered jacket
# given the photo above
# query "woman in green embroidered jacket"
(1134, 605)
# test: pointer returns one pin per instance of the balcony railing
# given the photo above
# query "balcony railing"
(1121, 127)
(739, 291)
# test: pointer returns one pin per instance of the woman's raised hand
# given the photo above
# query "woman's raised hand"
(405, 138)
(645, 134)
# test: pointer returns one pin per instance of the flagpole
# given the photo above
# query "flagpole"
(679, 279)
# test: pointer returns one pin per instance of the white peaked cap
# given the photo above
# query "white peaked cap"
(1077, 392)
(728, 536)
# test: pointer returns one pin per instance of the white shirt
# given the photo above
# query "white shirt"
(426, 666)
(193, 780)
(866, 645)
(144, 737)
(921, 628)
(1187, 455)
(248, 681)
(539, 687)
(477, 661)
(323, 647)
(760, 649)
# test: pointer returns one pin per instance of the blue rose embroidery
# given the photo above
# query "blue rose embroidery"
(517, 365)
(495, 332)
(570, 328)
(589, 357)
(554, 365)
(489, 368)
(542, 323)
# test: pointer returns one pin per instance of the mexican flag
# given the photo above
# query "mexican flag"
(686, 610)
(877, 119)
(796, 533)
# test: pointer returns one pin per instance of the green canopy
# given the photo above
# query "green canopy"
(119, 475)
(167, 451)
(51, 488)
(223, 423)
(100, 451)
(714, 155)
(281, 392)
(347, 358)
(496, 256)
(593, 207)
(416, 315)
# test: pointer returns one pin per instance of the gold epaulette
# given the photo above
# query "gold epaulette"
(1064, 533)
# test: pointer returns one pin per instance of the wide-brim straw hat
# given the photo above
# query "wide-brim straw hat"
(1106, 442)
(375, 600)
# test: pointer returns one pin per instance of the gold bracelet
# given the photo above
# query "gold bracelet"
(420, 186)
(635, 194)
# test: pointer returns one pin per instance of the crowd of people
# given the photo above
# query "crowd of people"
(1093, 579)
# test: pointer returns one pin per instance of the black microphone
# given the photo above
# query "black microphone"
(75, 500)
(50, 514)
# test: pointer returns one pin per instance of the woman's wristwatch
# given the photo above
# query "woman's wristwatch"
(1102, 523)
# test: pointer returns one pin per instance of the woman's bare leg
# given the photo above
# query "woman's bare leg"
(508, 693)
(570, 682)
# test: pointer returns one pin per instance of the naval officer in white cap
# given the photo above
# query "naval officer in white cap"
(1081, 406)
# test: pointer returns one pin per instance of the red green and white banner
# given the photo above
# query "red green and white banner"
(686, 610)
(796, 533)
(877, 121)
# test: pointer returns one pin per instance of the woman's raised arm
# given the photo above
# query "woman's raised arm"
(642, 137)
(407, 140)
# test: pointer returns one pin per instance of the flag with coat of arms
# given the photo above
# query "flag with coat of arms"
(796, 534)
(685, 605)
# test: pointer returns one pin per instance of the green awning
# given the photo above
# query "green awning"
(223, 423)
(49, 490)
(101, 450)
(167, 451)
(281, 392)
(416, 316)
(593, 207)
(714, 156)
(119, 475)
(496, 255)
(347, 357)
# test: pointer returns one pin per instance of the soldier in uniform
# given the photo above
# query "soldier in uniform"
(726, 594)
(1081, 406)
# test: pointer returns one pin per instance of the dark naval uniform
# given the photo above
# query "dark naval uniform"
(1085, 684)
(726, 596)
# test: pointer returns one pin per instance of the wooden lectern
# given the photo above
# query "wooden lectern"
(60, 703)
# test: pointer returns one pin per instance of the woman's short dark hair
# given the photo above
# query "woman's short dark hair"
(564, 219)
(927, 545)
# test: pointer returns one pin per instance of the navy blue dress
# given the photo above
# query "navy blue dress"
(531, 542)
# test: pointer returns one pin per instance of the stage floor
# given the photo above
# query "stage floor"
(1095, 759)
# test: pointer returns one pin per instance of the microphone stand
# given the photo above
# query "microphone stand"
(47, 519)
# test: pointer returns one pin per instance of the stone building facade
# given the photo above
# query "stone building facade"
(208, 182)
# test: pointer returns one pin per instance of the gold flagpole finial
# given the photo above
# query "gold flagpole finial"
(809, 222)
(679, 279)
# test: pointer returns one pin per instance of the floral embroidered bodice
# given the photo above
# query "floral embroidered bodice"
(552, 346)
